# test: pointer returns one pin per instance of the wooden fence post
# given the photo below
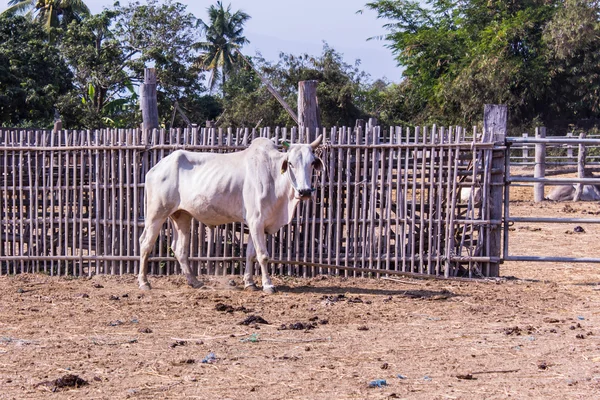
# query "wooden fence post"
(569, 148)
(309, 115)
(525, 149)
(57, 126)
(371, 128)
(148, 101)
(494, 128)
(540, 165)
(581, 156)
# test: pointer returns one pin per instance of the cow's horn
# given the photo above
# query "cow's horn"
(317, 142)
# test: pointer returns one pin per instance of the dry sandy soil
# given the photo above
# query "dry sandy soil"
(534, 333)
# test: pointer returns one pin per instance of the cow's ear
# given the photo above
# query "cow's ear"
(284, 166)
(318, 164)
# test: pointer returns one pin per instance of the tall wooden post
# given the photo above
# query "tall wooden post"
(540, 165)
(148, 101)
(371, 128)
(494, 130)
(309, 115)
(569, 148)
(525, 149)
(581, 156)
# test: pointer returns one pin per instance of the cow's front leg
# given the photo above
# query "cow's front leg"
(262, 256)
(249, 270)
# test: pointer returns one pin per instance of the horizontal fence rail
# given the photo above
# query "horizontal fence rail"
(561, 150)
(539, 181)
(412, 201)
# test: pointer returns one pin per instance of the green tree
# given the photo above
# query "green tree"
(248, 102)
(224, 35)
(103, 86)
(108, 53)
(32, 74)
(527, 54)
(163, 35)
(574, 59)
(338, 87)
(50, 13)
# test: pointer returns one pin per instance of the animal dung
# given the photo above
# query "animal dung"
(66, 381)
(223, 308)
(254, 319)
(298, 326)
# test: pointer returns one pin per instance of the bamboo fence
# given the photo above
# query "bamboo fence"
(71, 203)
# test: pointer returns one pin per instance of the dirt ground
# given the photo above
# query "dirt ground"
(534, 333)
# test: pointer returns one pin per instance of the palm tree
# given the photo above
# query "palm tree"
(223, 38)
(51, 13)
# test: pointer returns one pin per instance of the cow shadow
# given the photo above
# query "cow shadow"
(356, 291)
(510, 278)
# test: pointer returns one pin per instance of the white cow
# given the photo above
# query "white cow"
(260, 186)
(567, 192)
(465, 195)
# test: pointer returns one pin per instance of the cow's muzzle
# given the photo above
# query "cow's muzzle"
(305, 194)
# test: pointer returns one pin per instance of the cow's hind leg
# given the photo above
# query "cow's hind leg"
(182, 222)
(147, 239)
(249, 270)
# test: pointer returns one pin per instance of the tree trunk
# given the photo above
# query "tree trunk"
(148, 101)
(309, 115)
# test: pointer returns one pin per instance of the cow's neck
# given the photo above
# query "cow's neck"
(286, 193)
(291, 199)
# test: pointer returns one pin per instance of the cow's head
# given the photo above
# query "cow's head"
(299, 165)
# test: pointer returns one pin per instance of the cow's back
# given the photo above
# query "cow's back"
(217, 188)
(562, 193)
(206, 185)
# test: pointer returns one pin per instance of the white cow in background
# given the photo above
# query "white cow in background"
(260, 186)
(567, 192)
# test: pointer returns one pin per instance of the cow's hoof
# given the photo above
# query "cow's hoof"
(196, 284)
(269, 289)
(145, 286)
(251, 288)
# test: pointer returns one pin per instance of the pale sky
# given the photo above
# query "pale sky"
(296, 27)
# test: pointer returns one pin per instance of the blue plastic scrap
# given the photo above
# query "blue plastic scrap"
(400, 376)
(210, 358)
(378, 383)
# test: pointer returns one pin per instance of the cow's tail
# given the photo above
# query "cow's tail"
(145, 202)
